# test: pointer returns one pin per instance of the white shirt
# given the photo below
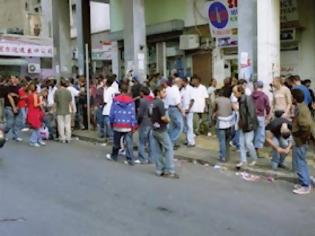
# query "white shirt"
(173, 97)
(187, 96)
(248, 92)
(51, 95)
(200, 94)
(74, 93)
(109, 94)
(115, 85)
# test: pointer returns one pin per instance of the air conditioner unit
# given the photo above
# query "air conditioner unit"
(189, 42)
(34, 68)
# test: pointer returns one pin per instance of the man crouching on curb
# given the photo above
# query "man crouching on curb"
(302, 130)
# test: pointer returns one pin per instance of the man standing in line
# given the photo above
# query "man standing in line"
(247, 125)
(187, 104)
(201, 96)
(109, 94)
(63, 107)
(263, 109)
(12, 113)
(175, 111)
(122, 118)
(302, 131)
(145, 125)
(282, 98)
(161, 145)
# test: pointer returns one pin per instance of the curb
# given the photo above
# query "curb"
(290, 177)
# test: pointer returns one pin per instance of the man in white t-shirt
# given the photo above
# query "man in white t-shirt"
(187, 104)
(201, 96)
(74, 93)
(109, 93)
(175, 111)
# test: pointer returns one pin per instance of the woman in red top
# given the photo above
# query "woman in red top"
(35, 116)
(22, 104)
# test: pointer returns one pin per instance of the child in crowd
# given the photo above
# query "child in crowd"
(161, 144)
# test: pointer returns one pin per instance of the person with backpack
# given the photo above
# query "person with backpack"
(247, 125)
(144, 121)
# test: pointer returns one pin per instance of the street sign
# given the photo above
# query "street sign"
(223, 22)
(218, 15)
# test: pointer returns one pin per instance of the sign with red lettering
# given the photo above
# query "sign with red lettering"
(223, 22)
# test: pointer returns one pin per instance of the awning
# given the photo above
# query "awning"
(12, 62)
(25, 46)
(160, 28)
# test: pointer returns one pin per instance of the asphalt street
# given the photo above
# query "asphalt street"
(65, 190)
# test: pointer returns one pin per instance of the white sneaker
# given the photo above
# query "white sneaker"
(18, 139)
(108, 157)
(302, 190)
(36, 145)
(209, 134)
(242, 163)
(25, 129)
(42, 143)
(138, 162)
(253, 163)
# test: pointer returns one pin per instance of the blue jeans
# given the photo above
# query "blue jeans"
(162, 152)
(301, 168)
(247, 144)
(108, 131)
(224, 137)
(129, 145)
(278, 159)
(23, 117)
(35, 137)
(236, 138)
(176, 125)
(144, 140)
(13, 122)
(260, 135)
(100, 121)
(189, 128)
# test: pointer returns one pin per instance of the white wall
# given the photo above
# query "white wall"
(100, 18)
(197, 12)
(304, 59)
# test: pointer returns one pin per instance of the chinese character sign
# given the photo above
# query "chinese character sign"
(223, 22)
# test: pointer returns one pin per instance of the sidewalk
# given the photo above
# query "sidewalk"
(206, 153)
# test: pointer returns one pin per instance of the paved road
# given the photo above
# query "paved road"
(67, 190)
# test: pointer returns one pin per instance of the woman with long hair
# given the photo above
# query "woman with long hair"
(35, 116)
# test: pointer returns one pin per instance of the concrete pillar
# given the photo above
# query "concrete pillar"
(135, 38)
(116, 60)
(46, 19)
(83, 26)
(247, 39)
(268, 13)
(62, 41)
(161, 58)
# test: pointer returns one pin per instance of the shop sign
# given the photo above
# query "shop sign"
(102, 54)
(289, 11)
(20, 46)
(223, 18)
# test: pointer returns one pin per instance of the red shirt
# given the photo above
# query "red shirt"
(22, 101)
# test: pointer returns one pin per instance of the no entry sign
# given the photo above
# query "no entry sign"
(223, 22)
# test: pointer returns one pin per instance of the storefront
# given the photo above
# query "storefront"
(22, 55)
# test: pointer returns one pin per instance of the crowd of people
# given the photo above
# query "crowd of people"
(161, 110)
